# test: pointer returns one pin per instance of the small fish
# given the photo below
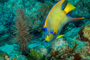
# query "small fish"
(56, 19)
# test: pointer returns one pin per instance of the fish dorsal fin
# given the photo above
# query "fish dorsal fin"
(69, 7)
(45, 25)
(61, 1)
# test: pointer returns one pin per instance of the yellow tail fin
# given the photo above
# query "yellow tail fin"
(69, 7)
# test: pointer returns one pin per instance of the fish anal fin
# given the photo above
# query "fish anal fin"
(70, 19)
(74, 19)
(78, 18)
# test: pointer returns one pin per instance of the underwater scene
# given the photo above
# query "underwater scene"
(44, 29)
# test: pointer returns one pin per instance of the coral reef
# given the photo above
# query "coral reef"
(6, 24)
(3, 55)
(38, 15)
(84, 52)
(84, 33)
(77, 57)
(28, 16)
(3, 1)
(43, 51)
(58, 43)
(68, 27)
(57, 55)
(45, 8)
(82, 11)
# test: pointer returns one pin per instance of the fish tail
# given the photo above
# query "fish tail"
(69, 7)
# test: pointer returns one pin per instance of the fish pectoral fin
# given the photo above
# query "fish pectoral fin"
(59, 36)
(47, 38)
(69, 7)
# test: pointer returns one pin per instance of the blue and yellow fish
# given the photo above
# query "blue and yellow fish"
(56, 19)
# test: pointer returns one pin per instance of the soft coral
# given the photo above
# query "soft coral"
(22, 30)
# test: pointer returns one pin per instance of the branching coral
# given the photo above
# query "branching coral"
(55, 52)
(71, 49)
(22, 30)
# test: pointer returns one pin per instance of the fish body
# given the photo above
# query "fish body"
(56, 19)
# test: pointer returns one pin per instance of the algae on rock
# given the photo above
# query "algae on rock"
(34, 55)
